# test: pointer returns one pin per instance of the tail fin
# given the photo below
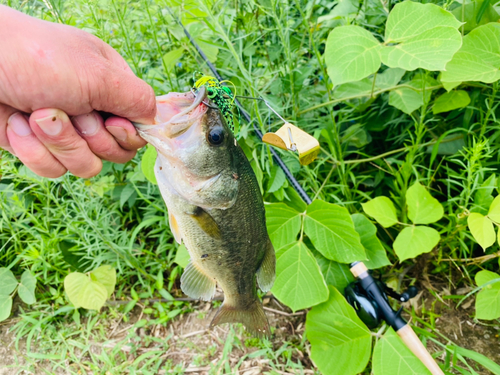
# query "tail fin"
(253, 318)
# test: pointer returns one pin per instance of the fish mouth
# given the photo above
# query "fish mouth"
(176, 112)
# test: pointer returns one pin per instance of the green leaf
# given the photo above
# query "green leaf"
(75, 261)
(488, 299)
(392, 357)
(415, 240)
(182, 256)
(423, 208)
(106, 275)
(5, 306)
(375, 252)
(299, 283)
(336, 274)
(406, 99)
(389, 78)
(93, 295)
(479, 57)
(148, 164)
(8, 281)
(172, 56)
(277, 179)
(127, 191)
(420, 36)
(448, 86)
(483, 196)
(475, 356)
(340, 342)
(382, 210)
(26, 289)
(283, 224)
(84, 292)
(494, 211)
(451, 100)
(351, 54)
(482, 229)
(331, 230)
(472, 13)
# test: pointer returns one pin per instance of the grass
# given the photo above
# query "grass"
(273, 49)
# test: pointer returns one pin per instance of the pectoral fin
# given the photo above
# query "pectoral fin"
(174, 227)
(267, 270)
(196, 284)
(206, 222)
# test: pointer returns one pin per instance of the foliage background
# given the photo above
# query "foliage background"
(376, 141)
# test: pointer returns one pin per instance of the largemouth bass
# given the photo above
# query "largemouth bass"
(215, 207)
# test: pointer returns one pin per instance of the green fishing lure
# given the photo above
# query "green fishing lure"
(222, 97)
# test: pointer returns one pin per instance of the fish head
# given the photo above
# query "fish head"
(196, 150)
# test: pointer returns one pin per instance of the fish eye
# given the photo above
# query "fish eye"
(216, 136)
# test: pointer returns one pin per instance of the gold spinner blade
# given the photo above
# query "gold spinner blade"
(291, 138)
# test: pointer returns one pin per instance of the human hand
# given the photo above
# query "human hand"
(53, 81)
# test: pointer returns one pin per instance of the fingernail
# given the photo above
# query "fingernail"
(51, 125)
(118, 133)
(19, 125)
(87, 124)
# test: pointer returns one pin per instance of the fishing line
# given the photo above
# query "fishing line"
(295, 184)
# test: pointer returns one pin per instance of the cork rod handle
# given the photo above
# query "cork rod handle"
(413, 342)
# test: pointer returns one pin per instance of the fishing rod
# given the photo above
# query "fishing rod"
(290, 177)
(368, 296)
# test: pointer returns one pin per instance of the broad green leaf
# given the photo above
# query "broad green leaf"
(5, 306)
(448, 86)
(342, 9)
(299, 283)
(382, 210)
(494, 211)
(26, 289)
(415, 240)
(451, 100)
(331, 230)
(340, 342)
(392, 357)
(283, 224)
(471, 13)
(406, 99)
(479, 57)
(483, 196)
(482, 229)
(93, 295)
(69, 252)
(8, 281)
(335, 273)
(294, 200)
(389, 78)
(423, 208)
(351, 54)
(106, 275)
(375, 252)
(84, 292)
(409, 99)
(148, 164)
(488, 299)
(73, 284)
(172, 56)
(127, 191)
(420, 36)
(182, 256)
(277, 179)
